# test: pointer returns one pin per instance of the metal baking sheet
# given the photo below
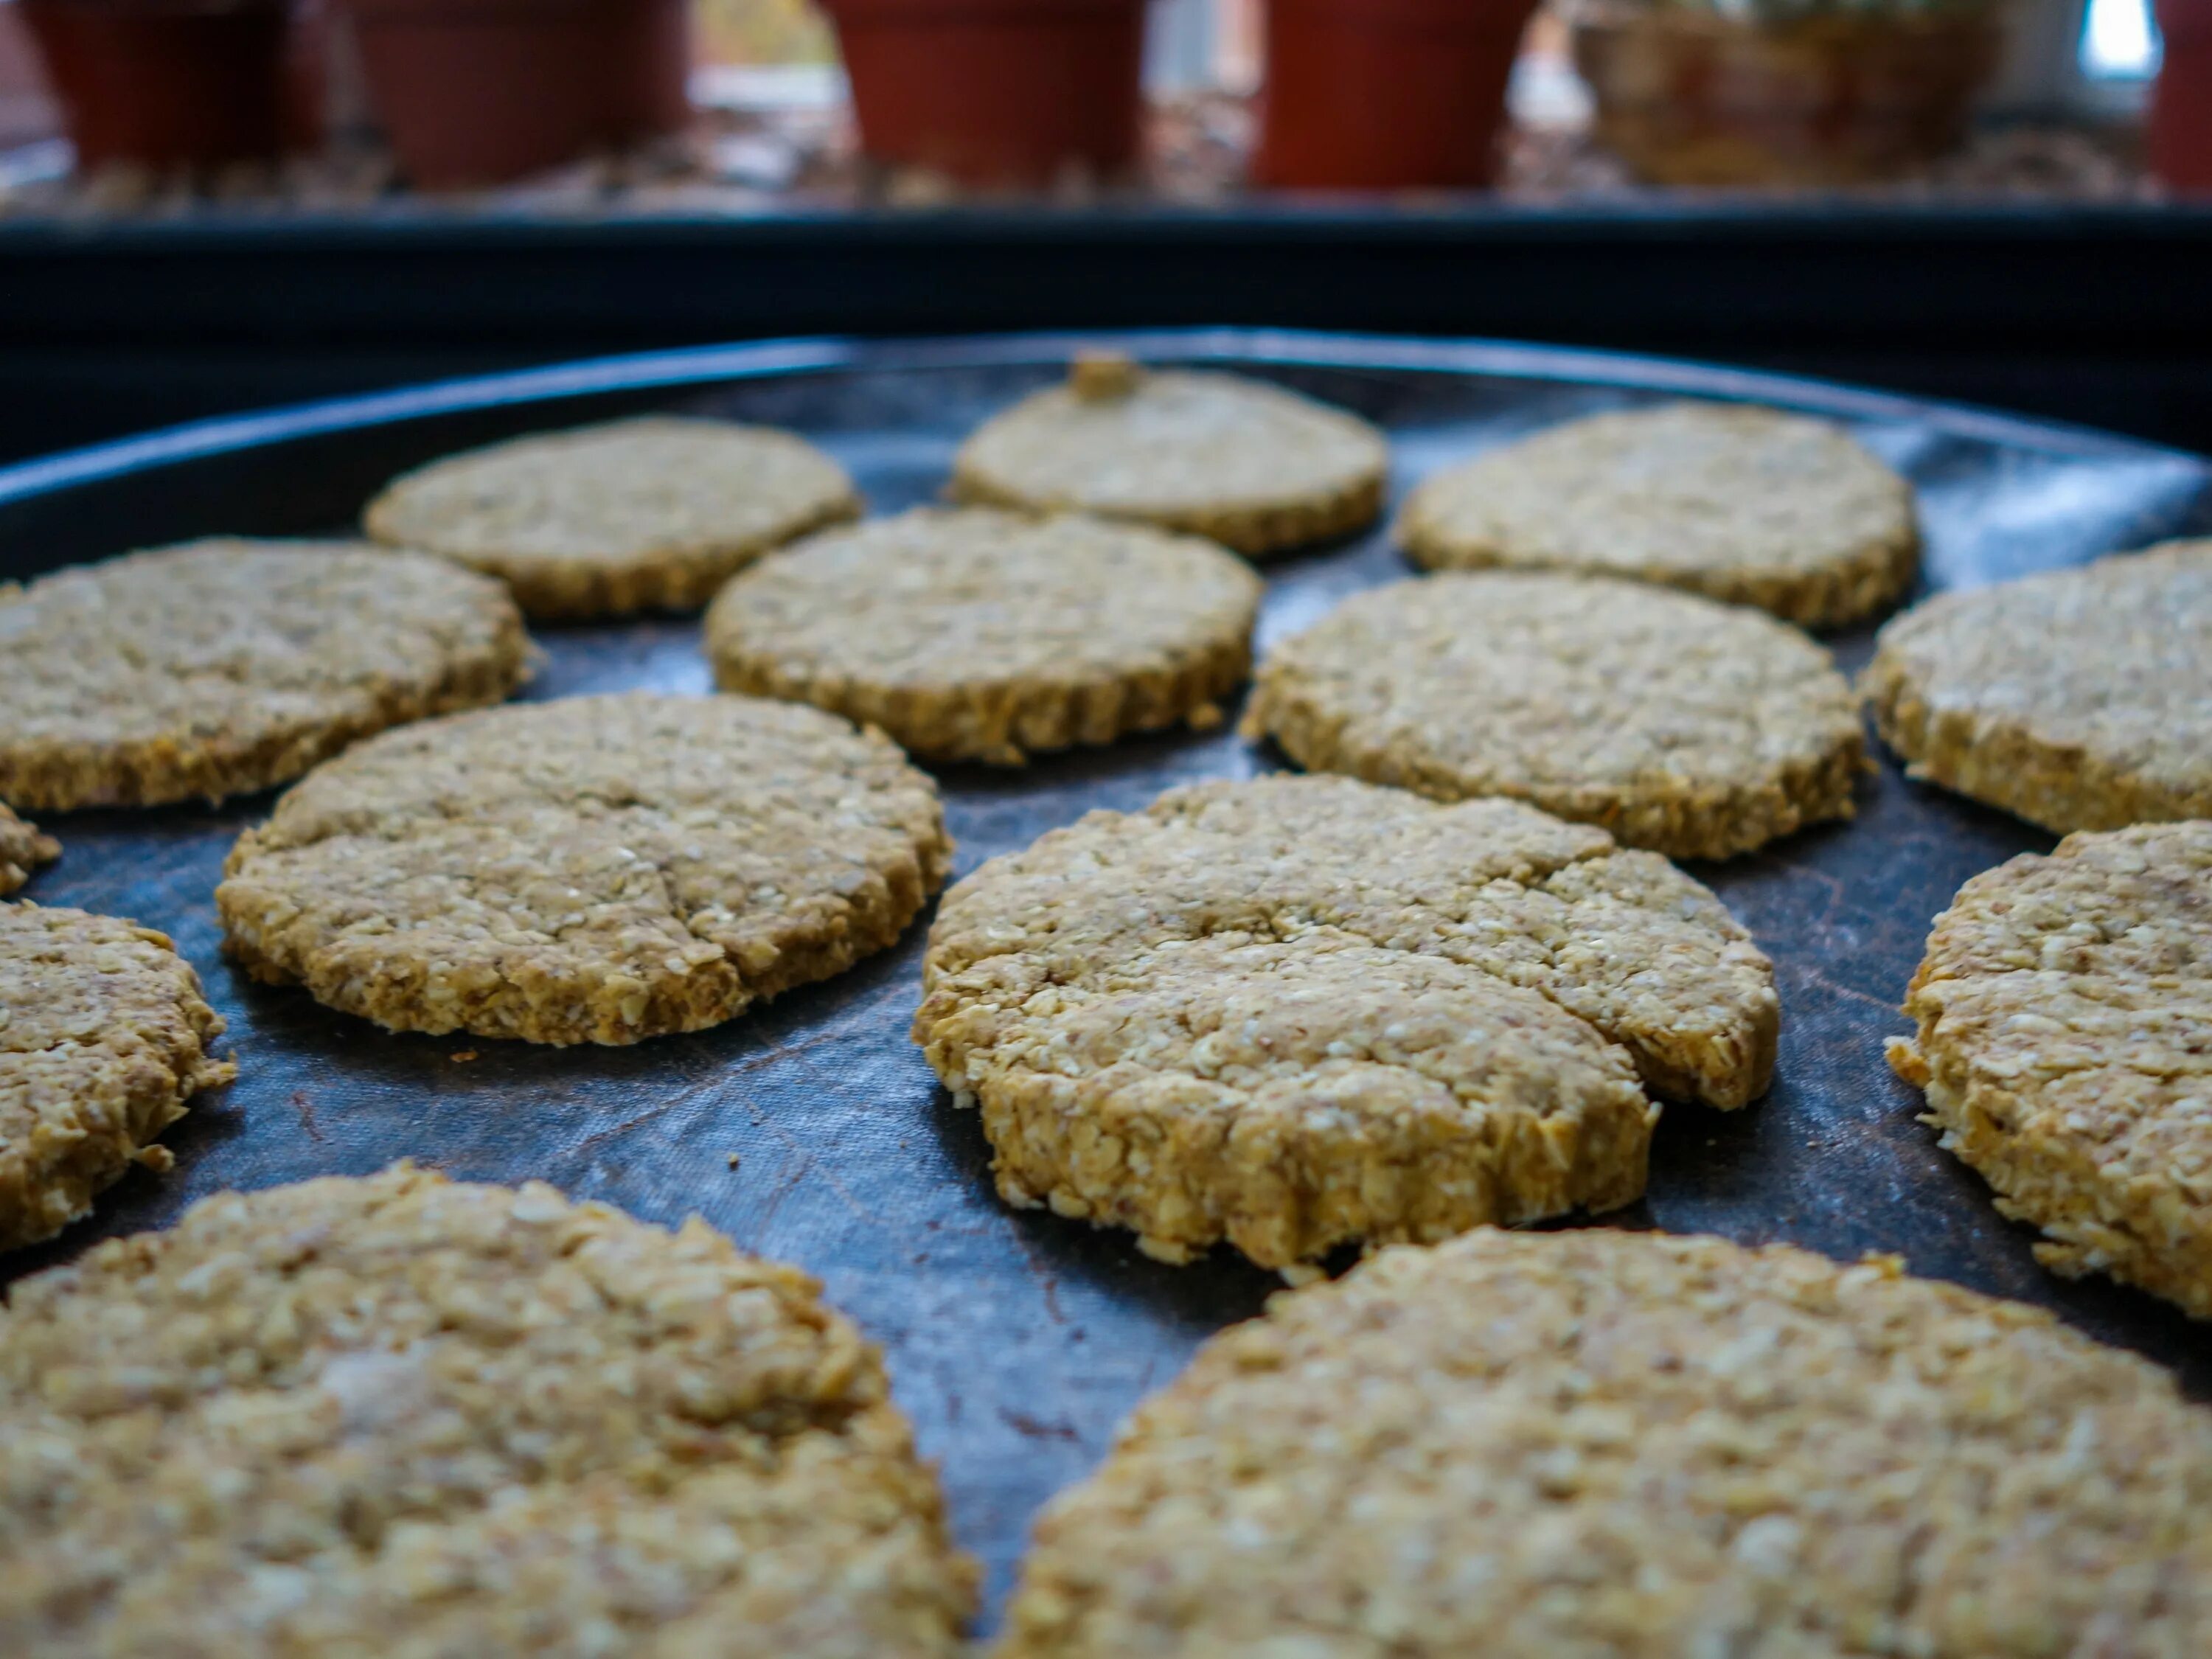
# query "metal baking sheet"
(1018, 1340)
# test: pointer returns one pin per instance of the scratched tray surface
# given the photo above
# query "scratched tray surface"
(1018, 1340)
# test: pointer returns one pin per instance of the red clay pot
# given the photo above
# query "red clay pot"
(1385, 94)
(164, 83)
(995, 92)
(2177, 133)
(477, 92)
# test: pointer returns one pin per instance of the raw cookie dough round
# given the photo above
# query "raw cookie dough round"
(594, 869)
(645, 514)
(223, 666)
(1530, 1445)
(2065, 1043)
(1252, 465)
(1295, 1012)
(401, 1416)
(1696, 729)
(22, 849)
(977, 634)
(2080, 700)
(104, 1036)
(1746, 505)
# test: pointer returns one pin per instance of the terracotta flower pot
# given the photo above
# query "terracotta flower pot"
(2178, 135)
(164, 83)
(995, 92)
(1690, 98)
(1385, 94)
(477, 92)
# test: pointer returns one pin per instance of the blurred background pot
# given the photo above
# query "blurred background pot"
(164, 83)
(996, 92)
(1818, 97)
(477, 91)
(1385, 94)
(2177, 138)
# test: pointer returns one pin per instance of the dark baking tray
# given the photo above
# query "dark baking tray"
(1019, 1341)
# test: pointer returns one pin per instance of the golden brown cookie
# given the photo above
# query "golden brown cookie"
(399, 1416)
(104, 1036)
(1594, 1442)
(971, 633)
(645, 514)
(1296, 1012)
(1696, 729)
(224, 666)
(593, 870)
(22, 849)
(1252, 465)
(2080, 699)
(2065, 1043)
(1749, 505)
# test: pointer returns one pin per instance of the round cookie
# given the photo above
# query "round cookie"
(223, 666)
(401, 1416)
(1746, 505)
(977, 634)
(645, 514)
(1253, 466)
(1296, 1012)
(104, 1036)
(1696, 729)
(2065, 1044)
(22, 849)
(1600, 1443)
(2080, 699)
(593, 870)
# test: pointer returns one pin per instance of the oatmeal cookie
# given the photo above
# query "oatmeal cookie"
(22, 849)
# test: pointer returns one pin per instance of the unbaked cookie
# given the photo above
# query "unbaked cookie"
(2065, 1043)
(1746, 505)
(978, 635)
(2080, 699)
(1526, 1446)
(398, 1416)
(1696, 729)
(22, 849)
(1254, 466)
(645, 514)
(1296, 1012)
(104, 1036)
(223, 666)
(594, 869)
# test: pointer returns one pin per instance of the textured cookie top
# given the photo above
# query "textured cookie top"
(1594, 699)
(227, 665)
(1622, 940)
(104, 1035)
(1748, 504)
(596, 869)
(1643, 1447)
(397, 1415)
(1199, 451)
(660, 493)
(22, 849)
(2098, 677)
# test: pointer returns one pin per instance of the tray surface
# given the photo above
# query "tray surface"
(1018, 1340)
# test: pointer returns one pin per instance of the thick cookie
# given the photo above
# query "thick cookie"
(977, 634)
(2080, 699)
(637, 515)
(1299, 1012)
(2065, 1043)
(1696, 729)
(223, 666)
(22, 849)
(104, 1036)
(397, 1416)
(1748, 506)
(1249, 464)
(1594, 1442)
(594, 869)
